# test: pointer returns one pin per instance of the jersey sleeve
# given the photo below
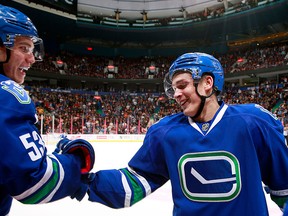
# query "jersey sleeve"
(145, 173)
(27, 173)
(269, 140)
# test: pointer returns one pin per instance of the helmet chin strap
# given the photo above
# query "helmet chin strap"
(203, 100)
(8, 54)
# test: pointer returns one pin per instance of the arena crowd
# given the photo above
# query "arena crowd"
(134, 68)
(128, 113)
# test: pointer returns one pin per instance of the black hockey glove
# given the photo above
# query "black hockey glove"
(82, 190)
(79, 147)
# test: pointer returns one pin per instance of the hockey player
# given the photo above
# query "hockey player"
(27, 173)
(215, 155)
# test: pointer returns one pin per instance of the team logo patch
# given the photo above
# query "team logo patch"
(266, 111)
(210, 176)
(15, 89)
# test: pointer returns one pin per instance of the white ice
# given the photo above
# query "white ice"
(110, 155)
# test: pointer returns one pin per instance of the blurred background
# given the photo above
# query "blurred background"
(105, 60)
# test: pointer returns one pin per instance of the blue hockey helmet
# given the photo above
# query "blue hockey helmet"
(14, 23)
(197, 64)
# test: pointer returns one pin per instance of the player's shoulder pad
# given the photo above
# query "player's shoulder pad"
(14, 90)
(256, 110)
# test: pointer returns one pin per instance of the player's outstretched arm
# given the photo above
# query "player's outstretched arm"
(53, 176)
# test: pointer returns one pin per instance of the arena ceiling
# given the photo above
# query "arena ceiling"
(59, 26)
(133, 9)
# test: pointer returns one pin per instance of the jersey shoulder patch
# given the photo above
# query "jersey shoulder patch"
(16, 90)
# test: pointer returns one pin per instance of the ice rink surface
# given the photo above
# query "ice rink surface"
(110, 155)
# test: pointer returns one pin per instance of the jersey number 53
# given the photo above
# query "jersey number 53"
(30, 142)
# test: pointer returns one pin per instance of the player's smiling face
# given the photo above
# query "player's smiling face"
(185, 93)
(21, 59)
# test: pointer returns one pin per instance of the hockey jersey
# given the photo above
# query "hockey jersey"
(214, 169)
(27, 173)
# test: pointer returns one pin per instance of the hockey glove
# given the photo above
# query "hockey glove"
(79, 147)
(82, 190)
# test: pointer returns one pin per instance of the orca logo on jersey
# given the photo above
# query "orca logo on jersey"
(16, 90)
(210, 176)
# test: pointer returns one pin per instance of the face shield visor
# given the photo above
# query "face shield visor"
(167, 82)
(169, 91)
(37, 50)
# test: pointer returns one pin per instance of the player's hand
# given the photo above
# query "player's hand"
(79, 147)
(82, 190)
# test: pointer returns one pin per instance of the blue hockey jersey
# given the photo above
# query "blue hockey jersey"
(27, 173)
(215, 168)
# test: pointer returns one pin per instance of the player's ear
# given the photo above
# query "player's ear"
(208, 81)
